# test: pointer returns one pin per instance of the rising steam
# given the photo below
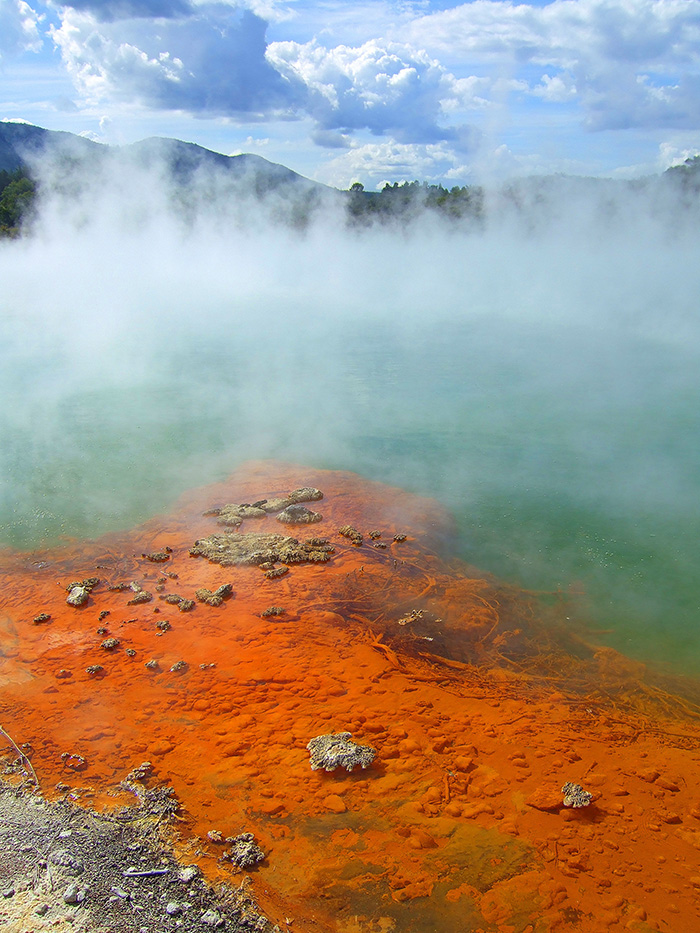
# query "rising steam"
(537, 371)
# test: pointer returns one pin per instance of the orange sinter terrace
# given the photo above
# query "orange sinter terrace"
(478, 766)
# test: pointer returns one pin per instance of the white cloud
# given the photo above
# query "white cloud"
(383, 87)
(19, 28)
(209, 63)
(377, 163)
(110, 10)
(671, 153)
(629, 62)
(557, 90)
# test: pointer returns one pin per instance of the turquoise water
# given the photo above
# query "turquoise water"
(566, 445)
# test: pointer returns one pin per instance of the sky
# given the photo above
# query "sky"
(374, 91)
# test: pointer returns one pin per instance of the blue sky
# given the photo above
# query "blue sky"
(369, 90)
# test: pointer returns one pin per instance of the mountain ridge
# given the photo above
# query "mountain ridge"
(23, 144)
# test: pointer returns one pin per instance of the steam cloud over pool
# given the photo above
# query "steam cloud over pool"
(540, 379)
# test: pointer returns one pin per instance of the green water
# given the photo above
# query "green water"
(570, 456)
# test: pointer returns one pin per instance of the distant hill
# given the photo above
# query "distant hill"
(24, 146)
(21, 144)
(36, 163)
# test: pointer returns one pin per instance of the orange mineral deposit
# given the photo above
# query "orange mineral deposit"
(216, 642)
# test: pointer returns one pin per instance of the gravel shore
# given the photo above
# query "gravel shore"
(64, 868)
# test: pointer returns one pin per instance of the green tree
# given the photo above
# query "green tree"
(16, 202)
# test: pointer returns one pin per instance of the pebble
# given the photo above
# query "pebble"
(649, 775)
(73, 894)
(545, 798)
(335, 803)
(172, 908)
(463, 763)
(67, 860)
(188, 873)
(212, 918)
(42, 910)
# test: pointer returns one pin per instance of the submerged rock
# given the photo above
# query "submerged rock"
(575, 795)
(255, 549)
(336, 750)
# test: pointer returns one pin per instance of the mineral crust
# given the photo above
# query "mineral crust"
(336, 750)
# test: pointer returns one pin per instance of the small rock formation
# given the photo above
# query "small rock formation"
(214, 598)
(298, 515)
(140, 595)
(158, 557)
(233, 515)
(79, 591)
(257, 549)
(244, 851)
(338, 751)
(174, 599)
(109, 644)
(349, 531)
(575, 795)
(272, 611)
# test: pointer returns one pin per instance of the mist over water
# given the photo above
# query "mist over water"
(539, 377)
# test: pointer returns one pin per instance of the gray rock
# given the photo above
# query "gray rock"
(66, 860)
(188, 873)
(172, 908)
(575, 795)
(212, 918)
(74, 894)
(78, 596)
(336, 750)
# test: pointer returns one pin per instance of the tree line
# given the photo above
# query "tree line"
(17, 194)
(406, 200)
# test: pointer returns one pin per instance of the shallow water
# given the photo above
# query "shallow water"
(478, 707)
(569, 455)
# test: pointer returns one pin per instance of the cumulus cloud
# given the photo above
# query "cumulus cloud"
(628, 64)
(108, 10)
(382, 87)
(211, 62)
(378, 163)
(19, 29)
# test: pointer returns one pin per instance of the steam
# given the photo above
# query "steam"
(538, 374)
